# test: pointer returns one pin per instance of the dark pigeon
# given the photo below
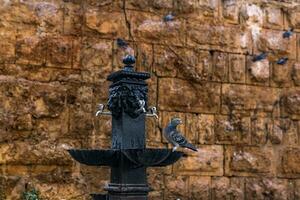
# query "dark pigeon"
(259, 57)
(121, 43)
(169, 18)
(175, 137)
(282, 61)
(288, 33)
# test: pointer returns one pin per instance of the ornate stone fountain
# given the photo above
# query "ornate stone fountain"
(128, 157)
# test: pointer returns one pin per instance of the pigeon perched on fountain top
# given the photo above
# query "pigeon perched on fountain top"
(175, 137)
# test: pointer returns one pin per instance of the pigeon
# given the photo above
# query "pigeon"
(168, 18)
(282, 61)
(288, 33)
(121, 43)
(124, 46)
(259, 57)
(174, 136)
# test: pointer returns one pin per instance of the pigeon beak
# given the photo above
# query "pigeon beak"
(180, 122)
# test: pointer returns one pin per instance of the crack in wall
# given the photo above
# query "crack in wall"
(127, 21)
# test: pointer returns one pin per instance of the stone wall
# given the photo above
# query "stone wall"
(243, 115)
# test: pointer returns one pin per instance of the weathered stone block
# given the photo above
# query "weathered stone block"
(156, 180)
(31, 50)
(282, 74)
(96, 57)
(258, 72)
(53, 127)
(81, 123)
(220, 67)
(22, 97)
(290, 103)
(49, 104)
(297, 189)
(145, 57)
(176, 187)
(194, 65)
(294, 17)
(207, 161)
(8, 187)
(62, 52)
(237, 73)
(164, 62)
(46, 152)
(242, 98)
(19, 14)
(41, 73)
(197, 65)
(152, 94)
(105, 22)
(50, 191)
(52, 174)
(199, 187)
(7, 46)
(220, 187)
(152, 28)
(298, 47)
(231, 39)
(232, 129)
(248, 161)
(23, 122)
(231, 11)
(273, 17)
(18, 170)
(49, 16)
(154, 6)
(296, 73)
(107, 4)
(267, 188)
(273, 41)
(198, 97)
(260, 129)
(251, 14)
(196, 9)
(284, 132)
(73, 18)
(289, 162)
(192, 128)
(225, 188)
(199, 128)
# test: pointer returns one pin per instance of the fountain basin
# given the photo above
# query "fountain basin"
(136, 157)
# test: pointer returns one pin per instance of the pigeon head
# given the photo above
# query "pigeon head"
(176, 121)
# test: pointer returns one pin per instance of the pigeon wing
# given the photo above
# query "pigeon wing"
(178, 138)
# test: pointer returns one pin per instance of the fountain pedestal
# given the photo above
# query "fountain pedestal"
(128, 157)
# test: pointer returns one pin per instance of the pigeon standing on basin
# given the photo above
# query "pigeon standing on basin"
(175, 137)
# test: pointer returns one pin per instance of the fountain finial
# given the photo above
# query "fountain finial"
(128, 60)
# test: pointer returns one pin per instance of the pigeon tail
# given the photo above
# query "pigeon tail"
(190, 146)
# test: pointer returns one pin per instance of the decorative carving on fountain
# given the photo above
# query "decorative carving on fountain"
(130, 99)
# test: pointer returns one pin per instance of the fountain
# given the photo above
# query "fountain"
(128, 157)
